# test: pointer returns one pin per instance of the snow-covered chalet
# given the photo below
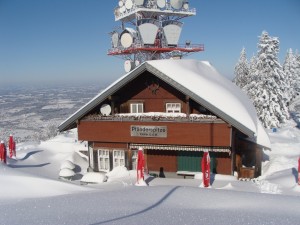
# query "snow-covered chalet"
(175, 110)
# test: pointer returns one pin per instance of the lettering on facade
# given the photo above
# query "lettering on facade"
(148, 131)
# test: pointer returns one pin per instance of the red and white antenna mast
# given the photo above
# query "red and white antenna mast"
(150, 29)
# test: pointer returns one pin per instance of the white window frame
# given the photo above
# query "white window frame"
(118, 158)
(173, 107)
(137, 107)
(134, 159)
(103, 160)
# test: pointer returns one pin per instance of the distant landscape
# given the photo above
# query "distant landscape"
(33, 113)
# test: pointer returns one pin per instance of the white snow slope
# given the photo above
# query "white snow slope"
(32, 193)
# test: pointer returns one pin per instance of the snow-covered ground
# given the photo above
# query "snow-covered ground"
(31, 191)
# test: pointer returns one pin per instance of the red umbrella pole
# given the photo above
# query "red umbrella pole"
(140, 165)
(11, 146)
(2, 152)
(206, 169)
(299, 170)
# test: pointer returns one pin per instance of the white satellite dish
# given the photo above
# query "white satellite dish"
(126, 40)
(176, 4)
(105, 110)
(186, 6)
(139, 2)
(128, 66)
(123, 9)
(115, 39)
(172, 30)
(161, 3)
(128, 4)
(148, 29)
(121, 3)
(117, 12)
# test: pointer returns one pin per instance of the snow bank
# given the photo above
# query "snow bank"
(93, 178)
(67, 164)
(119, 172)
(66, 173)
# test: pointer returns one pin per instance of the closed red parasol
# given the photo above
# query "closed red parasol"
(2, 152)
(206, 169)
(11, 146)
(140, 166)
(299, 170)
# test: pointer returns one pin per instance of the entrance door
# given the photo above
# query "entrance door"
(189, 161)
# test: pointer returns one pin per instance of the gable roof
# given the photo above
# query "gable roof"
(200, 81)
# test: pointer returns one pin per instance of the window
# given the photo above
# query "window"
(119, 158)
(136, 108)
(134, 159)
(103, 160)
(173, 108)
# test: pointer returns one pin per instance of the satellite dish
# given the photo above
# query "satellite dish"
(128, 4)
(139, 2)
(117, 12)
(126, 40)
(172, 30)
(128, 66)
(115, 39)
(105, 110)
(161, 3)
(127, 37)
(186, 6)
(176, 4)
(123, 9)
(148, 29)
(121, 3)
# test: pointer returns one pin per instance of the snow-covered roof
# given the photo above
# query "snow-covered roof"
(200, 81)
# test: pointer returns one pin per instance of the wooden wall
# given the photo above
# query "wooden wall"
(204, 134)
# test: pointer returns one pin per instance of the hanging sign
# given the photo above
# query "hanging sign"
(148, 131)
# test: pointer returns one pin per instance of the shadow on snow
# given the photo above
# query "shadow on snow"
(142, 211)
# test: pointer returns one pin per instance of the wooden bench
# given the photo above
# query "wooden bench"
(186, 173)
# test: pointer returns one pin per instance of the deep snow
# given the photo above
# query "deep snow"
(31, 191)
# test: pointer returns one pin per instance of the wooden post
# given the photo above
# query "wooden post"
(258, 162)
(188, 108)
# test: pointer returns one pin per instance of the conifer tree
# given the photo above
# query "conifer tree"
(241, 70)
(297, 74)
(267, 89)
(289, 68)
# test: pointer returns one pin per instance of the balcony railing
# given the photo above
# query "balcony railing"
(156, 117)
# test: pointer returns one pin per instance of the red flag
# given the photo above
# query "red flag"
(206, 169)
(140, 165)
(299, 171)
(11, 146)
(2, 152)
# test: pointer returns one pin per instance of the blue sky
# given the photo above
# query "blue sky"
(57, 41)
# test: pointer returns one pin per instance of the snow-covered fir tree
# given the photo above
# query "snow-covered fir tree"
(267, 89)
(241, 70)
(289, 68)
(251, 77)
(297, 74)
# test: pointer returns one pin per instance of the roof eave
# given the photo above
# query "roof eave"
(201, 101)
(70, 122)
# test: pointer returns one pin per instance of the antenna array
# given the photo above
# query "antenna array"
(149, 30)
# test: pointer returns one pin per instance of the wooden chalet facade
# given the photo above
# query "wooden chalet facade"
(150, 108)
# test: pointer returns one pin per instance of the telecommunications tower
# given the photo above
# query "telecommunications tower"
(149, 30)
